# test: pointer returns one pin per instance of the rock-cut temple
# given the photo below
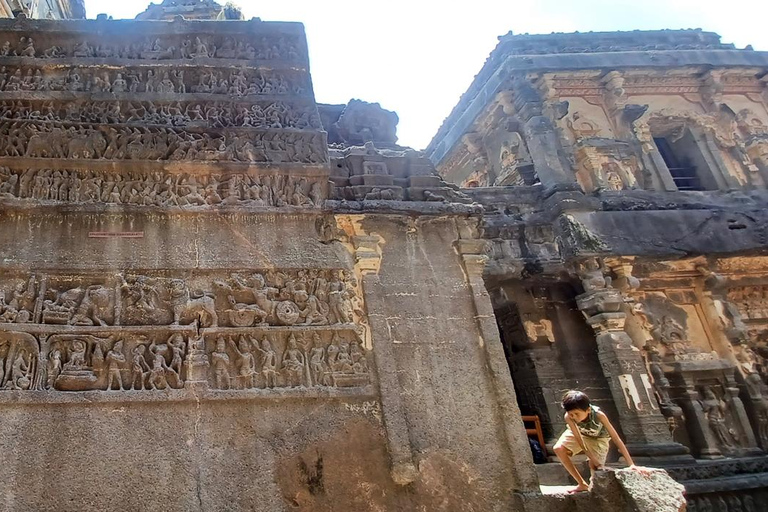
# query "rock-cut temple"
(219, 294)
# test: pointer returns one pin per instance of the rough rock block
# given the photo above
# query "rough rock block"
(629, 490)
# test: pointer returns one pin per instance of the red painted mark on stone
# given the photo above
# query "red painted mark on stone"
(116, 234)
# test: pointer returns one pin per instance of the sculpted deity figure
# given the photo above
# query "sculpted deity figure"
(139, 367)
(268, 362)
(338, 300)
(359, 363)
(76, 360)
(27, 48)
(660, 381)
(120, 84)
(54, 366)
(714, 411)
(293, 363)
(157, 379)
(201, 50)
(245, 364)
(220, 364)
(317, 361)
(114, 360)
(177, 345)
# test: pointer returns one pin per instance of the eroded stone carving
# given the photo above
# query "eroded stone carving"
(159, 188)
(308, 358)
(24, 139)
(271, 115)
(283, 47)
(274, 298)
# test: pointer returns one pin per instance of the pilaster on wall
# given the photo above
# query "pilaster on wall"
(366, 249)
(472, 252)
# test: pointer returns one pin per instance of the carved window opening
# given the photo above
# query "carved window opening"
(684, 160)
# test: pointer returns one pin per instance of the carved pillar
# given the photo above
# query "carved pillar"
(542, 139)
(645, 430)
(472, 253)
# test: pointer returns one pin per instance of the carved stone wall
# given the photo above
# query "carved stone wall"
(197, 291)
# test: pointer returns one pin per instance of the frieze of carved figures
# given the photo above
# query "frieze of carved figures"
(272, 115)
(282, 47)
(127, 361)
(238, 83)
(25, 139)
(273, 298)
(316, 358)
(160, 188)
(751, 301)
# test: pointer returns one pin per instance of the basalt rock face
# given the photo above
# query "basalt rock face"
(204, 307)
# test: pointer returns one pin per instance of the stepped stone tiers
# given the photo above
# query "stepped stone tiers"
(623, 183)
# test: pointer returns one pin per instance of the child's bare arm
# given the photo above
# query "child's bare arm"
(579, 439)
(616, 439)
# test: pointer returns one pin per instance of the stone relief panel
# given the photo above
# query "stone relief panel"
(308, 358)
(178, 47)
(269, 115)
(611, 165)
(160, 188)
(152, 361)
(274, 298)
(154, 81)
(696, 389)
(292, 328)
(89, 142)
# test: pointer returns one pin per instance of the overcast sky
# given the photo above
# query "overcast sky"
(417, 57)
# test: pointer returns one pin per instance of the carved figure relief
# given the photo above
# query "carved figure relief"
(274, 115)
(19, 361)
(155, 81)
(262, 358)
(100, 142)
(308, 358)
(159, 188)
(164, 48)
(274, 298)
(714, 409)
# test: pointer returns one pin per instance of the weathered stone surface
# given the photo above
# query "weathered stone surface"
(626, 489)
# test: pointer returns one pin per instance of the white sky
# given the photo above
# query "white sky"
(417, 57)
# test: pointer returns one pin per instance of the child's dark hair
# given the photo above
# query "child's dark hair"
(575, 400)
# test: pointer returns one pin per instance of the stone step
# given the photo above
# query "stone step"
(554, 473)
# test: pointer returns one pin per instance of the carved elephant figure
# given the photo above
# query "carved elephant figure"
(43, 145)
(90, 146)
